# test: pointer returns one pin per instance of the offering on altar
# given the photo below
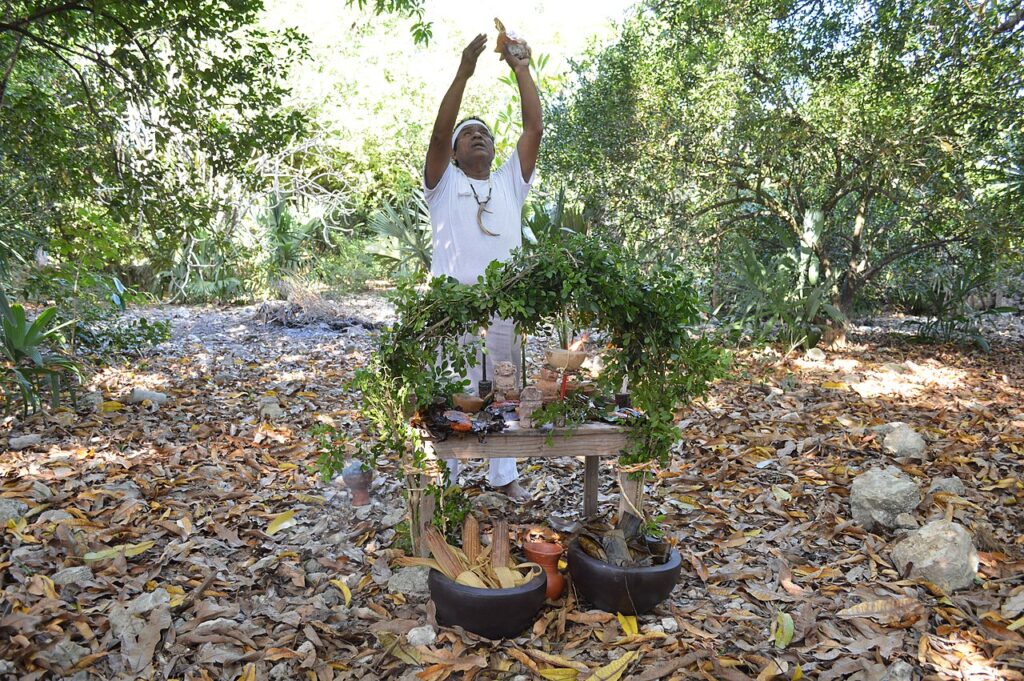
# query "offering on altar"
(530, 400)
(517, 47)
(505, 382)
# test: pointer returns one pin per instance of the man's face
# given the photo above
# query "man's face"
(474, 144)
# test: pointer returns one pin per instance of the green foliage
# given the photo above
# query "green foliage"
(709, 120)
(547, 220)
(287, 240)
(778, 298)
(942, 298)
(346, 267)
(421, 30)
(94, 305)
(404, 230)
(30, 362)
(451, 506)
(333, 450)
(648, 316)
(125, 123)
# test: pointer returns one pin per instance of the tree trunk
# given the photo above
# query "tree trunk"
(852, 280)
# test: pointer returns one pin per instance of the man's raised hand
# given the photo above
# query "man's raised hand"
(515, 62)
(469, 56)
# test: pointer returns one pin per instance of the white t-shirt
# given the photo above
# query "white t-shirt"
(461, 249)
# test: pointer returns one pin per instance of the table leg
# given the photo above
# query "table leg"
(591, 474)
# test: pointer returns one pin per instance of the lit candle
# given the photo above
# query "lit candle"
(483, 350)
(522, 353)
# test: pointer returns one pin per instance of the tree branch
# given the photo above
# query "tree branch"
(1011, 21)
(96, 58)
(10, 67)
(42, 14)
(910, 250)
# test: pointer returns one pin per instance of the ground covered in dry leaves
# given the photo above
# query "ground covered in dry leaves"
(194, 540)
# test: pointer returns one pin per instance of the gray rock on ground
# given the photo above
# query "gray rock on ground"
(953, 485)
(899, 671)
(906, 521)
(411, 581)
(491, 501)
(72, 575)
(11, 509)
(140, 395)
(64, 654)
(421, 636)
(879, 496)
(24, 441)
(815, 355)
(54, 515)
(904, 441)
(941, 552)
(270, 408)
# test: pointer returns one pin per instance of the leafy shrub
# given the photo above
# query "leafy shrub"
(552, 220)
(942, 299)
(404, 231)
(286, 238)
(29, 358)
(778, 297)
(104, 340)
(93, 304)
(347, 267)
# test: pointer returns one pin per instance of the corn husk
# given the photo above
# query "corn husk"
(470, 578)
(483, 572)
(471, 539)
(445, 555)
(499, 544)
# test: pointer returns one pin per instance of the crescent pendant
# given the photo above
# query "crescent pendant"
(480, 210)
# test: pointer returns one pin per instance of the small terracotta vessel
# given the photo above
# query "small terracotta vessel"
(565, 360)
(546, 555)
(358, 482)
(470, 404)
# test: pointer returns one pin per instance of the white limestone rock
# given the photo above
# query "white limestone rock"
(421, 636)
(941, 552)
(11, 509)
(140, 395)
(879, 496)
(905, 442)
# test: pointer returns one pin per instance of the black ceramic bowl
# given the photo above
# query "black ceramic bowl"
(629, 590)
(492, 613)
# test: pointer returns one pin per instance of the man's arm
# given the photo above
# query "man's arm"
(533, 127)
(439, 152)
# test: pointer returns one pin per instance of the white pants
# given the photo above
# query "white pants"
(503, 345)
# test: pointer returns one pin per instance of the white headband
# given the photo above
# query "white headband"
(471, 121)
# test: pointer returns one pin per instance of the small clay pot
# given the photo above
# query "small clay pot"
(470, 404)
(358, 482)
(547, 554)
(491, 613)
(629, 590)
(566, 360)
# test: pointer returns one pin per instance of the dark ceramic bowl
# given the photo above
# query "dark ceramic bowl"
(629, 590)
(491, 613)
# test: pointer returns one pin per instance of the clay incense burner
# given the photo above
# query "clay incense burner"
(547, 555)
(358, 482)
(565, 360)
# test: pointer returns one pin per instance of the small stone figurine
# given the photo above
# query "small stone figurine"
(504, 381)
(530, 400)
